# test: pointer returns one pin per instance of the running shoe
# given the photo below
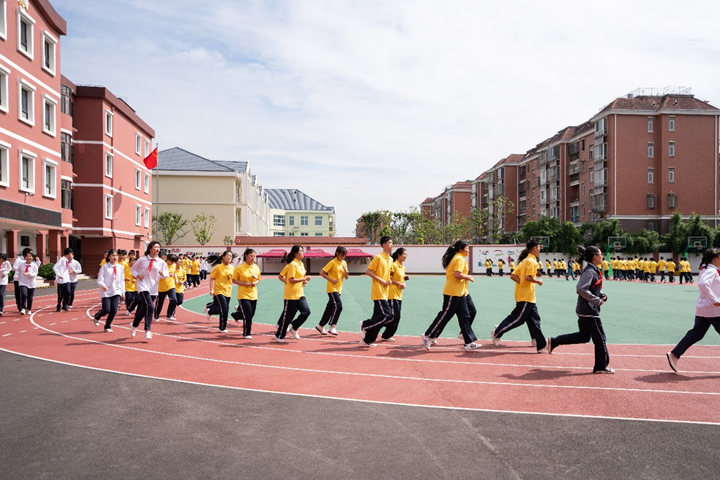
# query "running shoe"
(148, 334)
(321, 329)
(469, 347)
(108, 330)
(605, 370)
(132, 330)
(391, 339)
(495, 340)
(368, 345)
(672, 361)
(279, 340)
(222, 330)
(293, 333)
(332, 331)
(427, 341)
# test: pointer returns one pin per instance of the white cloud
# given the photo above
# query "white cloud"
(366, 105)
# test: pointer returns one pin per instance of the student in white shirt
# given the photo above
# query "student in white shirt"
(75, 268)
(5, 269)
(27, 273)
(147, 270)
(62, 271)
(111, 279)
(17, 264)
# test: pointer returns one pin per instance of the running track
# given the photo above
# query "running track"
(508, 378)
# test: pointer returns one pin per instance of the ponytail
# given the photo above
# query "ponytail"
(396, 253)
(451, 251)
(708, 256)
(532, 243)
(289, 257)
(586, 254)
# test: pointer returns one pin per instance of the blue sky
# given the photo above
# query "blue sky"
(379, 104)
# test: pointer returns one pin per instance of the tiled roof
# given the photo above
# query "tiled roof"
(428, 201)
(656, 103)
(177, 159)
(293, 199)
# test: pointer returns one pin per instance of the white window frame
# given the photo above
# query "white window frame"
(3, 19)
(138, 179)
(109, 160)
(30, 189)
(109, 123)
(318, 218)
(53, 104)
(22, 15)
(4, 90)
(304, 234)
(147, 218)
(108, 206)
(54, 167)
(147, 183)
(50, 39)
(291, 220)
(318, 234)
(651, 150)
(138, 215)
(671, 123)
(30, 88)
(147, 147)
(651, 175)
(671, 149)
(4, 164)
(138, 144)
(651, 124)
(671, 174)
(306, 219)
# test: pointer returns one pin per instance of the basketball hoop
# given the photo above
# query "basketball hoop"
(618, 247)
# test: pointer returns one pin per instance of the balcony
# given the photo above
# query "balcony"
(599, 203)
(574, 168)
(574, 180)
(574, 201)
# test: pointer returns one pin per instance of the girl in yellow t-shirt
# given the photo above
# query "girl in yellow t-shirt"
(221, 289)
(397, 285)
(334, 272)
(180, 278)
(166, 288)
(131, 295)
(294, 277)
(246, 276)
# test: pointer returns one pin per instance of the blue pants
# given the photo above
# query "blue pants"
(26, 297)
(72, 286)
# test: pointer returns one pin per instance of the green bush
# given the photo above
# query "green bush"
(46, 271)
(11, 275)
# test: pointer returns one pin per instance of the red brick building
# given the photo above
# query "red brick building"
(71, 171)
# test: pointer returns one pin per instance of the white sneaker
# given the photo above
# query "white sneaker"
(293, 333)
(469, 347)
(321, 330)
(533, 342)
(391, 339)
(22, 312)
(427, 341)
(97, 322)
(362, 330)
(222, 330)
(607, 370)
(132, 330)
(368, 345)
(127, 312)
(279, 340)
(672, 361)
(148, 334)
(332, 331)
(28, 312)
(172, 319)
(460, 336)
(108, 330)
(495, 340)
(247, 336)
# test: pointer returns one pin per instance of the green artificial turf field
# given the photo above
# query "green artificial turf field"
(636, 313)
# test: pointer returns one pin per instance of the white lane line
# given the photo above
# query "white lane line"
(377, 402)
(22, 331)
(7, 334)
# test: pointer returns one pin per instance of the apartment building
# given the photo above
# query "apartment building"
(455, 199)
(644, 156)
(296, 214)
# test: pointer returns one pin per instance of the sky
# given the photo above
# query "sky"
(367, 105)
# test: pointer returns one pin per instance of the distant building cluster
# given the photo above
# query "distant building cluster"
(643, 157)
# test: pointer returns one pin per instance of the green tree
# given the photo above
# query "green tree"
(597, 233)
(501, 207)
(203, 226)
(646, 241)
(228, 240)
(676, 239)
(370, 223)
(168, 227)
(404, 225)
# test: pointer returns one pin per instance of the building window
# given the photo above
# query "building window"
(3, 19)
(318, 221)
(291, 220)
(238, 220)
(650, 175)
(304, 234)
(108, 123)
(26, 102)
(4, 76)
(138, 179)
(672, 200)
(138, 144)
(147, 183)
(27, 172)
(66, 105)
(147, 147)
(671, 149)
(318, 234)
(49, 49)
(66, 148)
(49, 114)
(278, 234)
(651, 200)
(651, 150)
(278, 220)
(138, 215)
(582, 144)
(582, 188)
(4, 164)
(671, 123)
(304, 220)
(109, 165)
(49, 178)
(671, 175)
(108, 207)
(592, 175)
(147, 218)
(291, 234)
(25, 33)
(650, 124)
(66, 194)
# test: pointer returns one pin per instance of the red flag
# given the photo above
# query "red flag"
(151, 160)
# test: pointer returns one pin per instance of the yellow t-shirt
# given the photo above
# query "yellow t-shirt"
(380, 265)
(684, 266)
(294, 269)
(186, 264)
(181, 276)
(247, 273)
(456, 287)
(335, 269)
(512, 266)
(653, 266)
(525, 291)
(547, 264)
(103, 262)
(661, 265)
(168, 283)
(671, 266)
(223, 279)
(646, 267)
(576, 267)
(195, 268)
(130, 282)
(397, 274)
(606, 265)
(501, 264)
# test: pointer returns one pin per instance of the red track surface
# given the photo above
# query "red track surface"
(510, 378)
